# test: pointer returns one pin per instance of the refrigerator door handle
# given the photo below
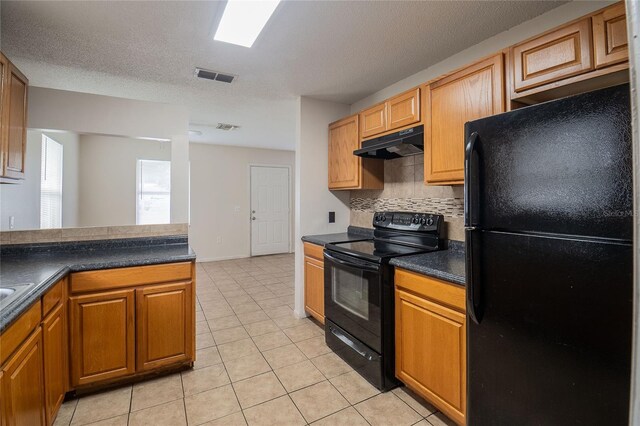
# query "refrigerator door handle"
(470, 184)
(473, 304)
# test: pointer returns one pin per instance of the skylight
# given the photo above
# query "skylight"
(243, 20)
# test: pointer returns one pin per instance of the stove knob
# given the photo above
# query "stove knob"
(430, 221)
(423, 221)
(415, 220)
(383, 218)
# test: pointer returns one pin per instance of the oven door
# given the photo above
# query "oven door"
(352, 297)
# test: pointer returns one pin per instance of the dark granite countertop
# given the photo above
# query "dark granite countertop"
(354, 233)
(40, 266)
(448, 265)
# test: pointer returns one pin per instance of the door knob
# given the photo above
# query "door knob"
(253, 218)
(253, 211)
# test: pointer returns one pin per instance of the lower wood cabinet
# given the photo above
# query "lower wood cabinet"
(314, 281)
(23, 384)
(56, 367)
(431, 341)
(164, 325)
(102, 336)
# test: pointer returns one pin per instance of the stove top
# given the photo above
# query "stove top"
(376, 250)
(396, 234)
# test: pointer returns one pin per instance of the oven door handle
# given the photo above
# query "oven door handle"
(353, 345)
(356, 265)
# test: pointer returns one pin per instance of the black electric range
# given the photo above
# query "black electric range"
(359, 293)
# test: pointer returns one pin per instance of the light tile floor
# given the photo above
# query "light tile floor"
(256, 364)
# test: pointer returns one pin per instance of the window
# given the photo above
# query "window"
(51, 184)
(153, 195)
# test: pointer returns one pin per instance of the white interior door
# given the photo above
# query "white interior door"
(269, 210)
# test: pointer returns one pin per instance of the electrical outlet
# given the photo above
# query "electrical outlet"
(12, 222)
(219, 239)
(236, 209)
(332, 217)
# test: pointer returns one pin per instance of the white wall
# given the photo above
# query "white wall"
(313, 200)
(542, 23)
(220, 197)
(22, 200)
(106, 115)
(108, 177)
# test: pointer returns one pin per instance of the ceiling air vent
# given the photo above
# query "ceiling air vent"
(225, 126)
(215, 75)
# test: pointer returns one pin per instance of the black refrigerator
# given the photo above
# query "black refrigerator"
(548, 222)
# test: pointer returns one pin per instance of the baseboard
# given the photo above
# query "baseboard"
(216, 259)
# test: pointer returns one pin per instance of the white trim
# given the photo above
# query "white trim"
(289, 198)
(217, 259)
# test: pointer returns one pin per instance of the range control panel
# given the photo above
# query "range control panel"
(408, 221)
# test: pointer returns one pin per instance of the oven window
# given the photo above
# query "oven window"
(350, 290)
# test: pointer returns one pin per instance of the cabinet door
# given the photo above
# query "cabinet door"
(102, 336)
(164, 325)
(431, 352)
(469, 94)
(373, 121)
(404, 109)
(314, 288)
(553, 56)
(14, 121)
(23, 393)
(610, 36)
(56, 368)
(344, 167)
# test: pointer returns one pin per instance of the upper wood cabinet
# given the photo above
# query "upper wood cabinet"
(610, 36)
(23, 387)
(404, 109)
(431, 341)
(373, 120)
(314, 281)
(164, 325)
(474, 92)
(559, 54)
(13, 132)
(348, 171)
(102, 336)
(396, 112)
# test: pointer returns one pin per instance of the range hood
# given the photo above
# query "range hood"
(400, 144)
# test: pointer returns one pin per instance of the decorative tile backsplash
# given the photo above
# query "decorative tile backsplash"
(450, 207)
(404, 190)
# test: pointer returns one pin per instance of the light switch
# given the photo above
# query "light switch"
(12, 222)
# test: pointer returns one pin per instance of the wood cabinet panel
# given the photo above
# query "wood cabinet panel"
(469, 94)
(373, 121)
(556, 55)
(56, 369)
(314, 287)
(53, 297)
(344, 167)
(14, 123)
(102, 336)
(404, 109)
(431, 352)
(23, 391)
(610, 36)
(128, 277)
(164, 325)
(2, 413)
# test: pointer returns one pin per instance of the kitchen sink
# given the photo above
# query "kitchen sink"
(9, 293)
(6, 292)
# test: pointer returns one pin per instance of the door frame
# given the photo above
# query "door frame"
(289, 197)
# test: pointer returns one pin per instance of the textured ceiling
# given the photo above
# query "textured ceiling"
(338, 50)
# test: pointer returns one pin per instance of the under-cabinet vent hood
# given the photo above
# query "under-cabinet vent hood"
(400, 144)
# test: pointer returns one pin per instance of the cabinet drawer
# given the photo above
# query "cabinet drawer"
(610, 36)
(314, 250)
(127, 277)
(553, 56)
(443, 292)
(373, 121)
(52, 297)
(13, 337)
(404, 109)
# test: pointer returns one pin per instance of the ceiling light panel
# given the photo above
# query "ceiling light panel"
(243, 20)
